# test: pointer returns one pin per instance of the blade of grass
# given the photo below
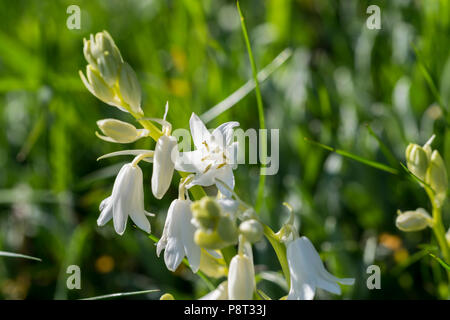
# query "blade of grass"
(352, 156)
(240, 93)
(390, 157)
(120, 294)
(18, 255)
(441, 262)
(262, 123)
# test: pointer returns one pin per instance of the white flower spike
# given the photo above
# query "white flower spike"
(127, 199)
(308, 272)
(214, 157)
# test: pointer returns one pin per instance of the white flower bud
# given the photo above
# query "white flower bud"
(95, 84)
(163, 165)
(108, 68)
(436, 177)
(252, 230)
(130, 88)
(241, 278)
(415, 220)
(417, 160)
(119, 131)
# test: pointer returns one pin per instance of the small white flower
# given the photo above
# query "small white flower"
(163, 165)
(220, 293)
(127, 198)
(214, 157)
(178, 237)
(308, 272)
(241, 275)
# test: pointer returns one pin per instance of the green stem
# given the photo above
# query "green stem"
(262, 123)
(280, 250)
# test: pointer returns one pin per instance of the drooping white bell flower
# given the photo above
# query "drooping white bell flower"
(163, 165)
(178, 237)
(214, 157)
(241, 274)
(127, 199)
(220, 293)
(308, 272)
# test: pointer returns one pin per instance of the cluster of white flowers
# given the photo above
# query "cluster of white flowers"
(197, 230)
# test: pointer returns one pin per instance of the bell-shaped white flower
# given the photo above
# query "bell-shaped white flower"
(220, 293)
(241, 274)
(163, 165)
(127, 199)
(178, 237)
(119, 131)
(308, 272)
(214, 157)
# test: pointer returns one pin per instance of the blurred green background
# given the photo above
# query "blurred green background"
(340, 77)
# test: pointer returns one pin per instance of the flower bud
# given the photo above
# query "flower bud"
(227, 230)
(252, 230)
(119, 131)
(108, 68)
(241, 278)
(417, 160)
(130, 88)
(97, 86)
(163, 165)
(207, 212)
(436, 176)
(415, 220)
(167, 296)
(209, 239)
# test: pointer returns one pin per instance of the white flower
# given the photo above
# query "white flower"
(220, 293)
(241, 275)
(178, 237)
(163, 165)
(214, 157)
(308, 272)
(127, 198)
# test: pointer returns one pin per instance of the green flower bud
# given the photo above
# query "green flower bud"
(108, 68)
(417, 160)
(415, 220)
(227, 230)
(207, 212)
(167, 296)
(436, 177)
(130, 88)
(252, 230)
(209, 239)
(119, 131)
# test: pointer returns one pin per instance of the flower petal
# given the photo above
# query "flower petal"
(198, 131)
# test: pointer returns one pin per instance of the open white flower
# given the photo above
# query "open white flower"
(308, 272)
(127, 198)
(178, 237)
(214, 157)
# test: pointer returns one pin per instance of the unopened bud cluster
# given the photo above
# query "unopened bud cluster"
(108, 76)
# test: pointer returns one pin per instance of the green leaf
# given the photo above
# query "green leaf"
(18, 255)
(352, 156)
(120, 294)
(441, 262)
